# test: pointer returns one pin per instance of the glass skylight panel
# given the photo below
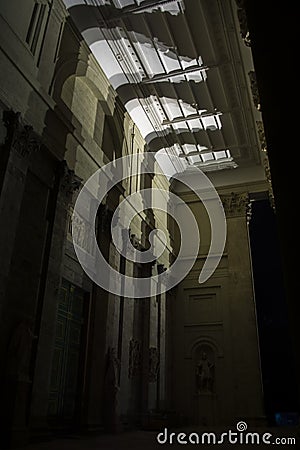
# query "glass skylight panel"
(195, 124)
(187, 109)
(194, 159)
(197, 76)
(180, 127)
(169, 60)
(173, 7)
(98, 2)
(155, 111)
(70, 3)
(127, 56)
(207, 157)
(189, 148)
(123, 3)
(177, 148)
(212, 122)
(201, 148)
(171, 107)
(148, 56)
(177, 79)
(187, 62)
(221, 154)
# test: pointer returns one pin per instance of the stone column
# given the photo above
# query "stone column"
(67, 183)
(100, 326)
(21, 142)
(244, 351)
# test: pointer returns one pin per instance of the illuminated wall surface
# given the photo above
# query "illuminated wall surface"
(175, 65)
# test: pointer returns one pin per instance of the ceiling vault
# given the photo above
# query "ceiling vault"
(181, 69)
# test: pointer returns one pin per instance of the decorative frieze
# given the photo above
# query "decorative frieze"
(261, 135)
(268, 175)
(241, 13)
(254, 89)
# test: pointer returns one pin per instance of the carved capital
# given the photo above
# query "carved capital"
(69, 182)
(20, 138)
(236, 204)
(241, 13)
(254, 89)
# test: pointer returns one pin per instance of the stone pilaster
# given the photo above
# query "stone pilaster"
(21, 142)
(67, 183)
(102, 320)
(246, 371)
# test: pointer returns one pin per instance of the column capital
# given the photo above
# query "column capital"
(20, 137)
(69, 182)
(244, 30)
(236, 204)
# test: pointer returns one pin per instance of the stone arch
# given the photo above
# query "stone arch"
(205, 340)
(78, 67)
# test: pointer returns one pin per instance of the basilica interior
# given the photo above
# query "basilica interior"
(199, 328)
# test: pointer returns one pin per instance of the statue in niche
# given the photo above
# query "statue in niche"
(111, 392)
(204, 374)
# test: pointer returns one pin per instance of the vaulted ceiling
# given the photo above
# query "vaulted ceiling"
(181, 69)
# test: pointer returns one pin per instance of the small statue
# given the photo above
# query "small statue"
(204, 374)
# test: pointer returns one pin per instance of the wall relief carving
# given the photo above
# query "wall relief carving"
(134, 358)
(153, 364)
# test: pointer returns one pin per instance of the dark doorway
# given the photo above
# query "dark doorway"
(67, 365)
(278, 371)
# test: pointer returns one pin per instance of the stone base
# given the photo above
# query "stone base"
(205, 409)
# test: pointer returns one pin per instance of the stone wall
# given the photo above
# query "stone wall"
(61, 122)
(216, 371)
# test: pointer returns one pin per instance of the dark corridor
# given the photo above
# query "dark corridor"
(278, 371)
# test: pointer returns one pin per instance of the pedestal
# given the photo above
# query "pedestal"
(205, 409)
